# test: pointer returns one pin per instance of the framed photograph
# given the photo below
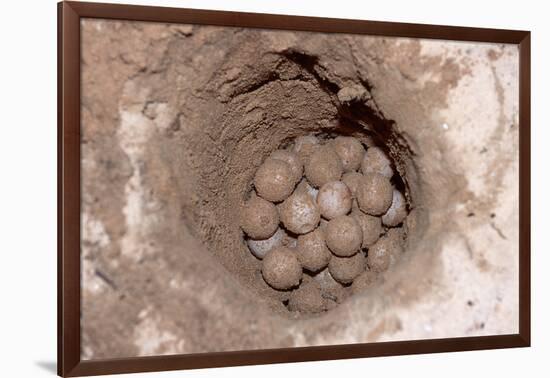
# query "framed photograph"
(239, 188)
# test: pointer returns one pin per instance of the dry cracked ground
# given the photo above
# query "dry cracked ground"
(177, 118)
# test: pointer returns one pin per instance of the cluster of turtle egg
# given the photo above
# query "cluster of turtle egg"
(324, 219)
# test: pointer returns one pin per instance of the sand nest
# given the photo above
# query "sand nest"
(325, 188)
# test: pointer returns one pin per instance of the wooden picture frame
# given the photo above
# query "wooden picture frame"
(69, 194)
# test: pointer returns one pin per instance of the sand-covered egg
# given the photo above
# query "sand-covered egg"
(334, 199)
(312, 250)
(375, 160)
(351, 152)
(259, 218)
(343, 236)
(371, 227)
(385, 251)
(324, 165)
(308, 298)
(292, 159)
(274, 180)
(346, 269)
(281, 268)
(299, 213)
(304, 146)
(374, 194)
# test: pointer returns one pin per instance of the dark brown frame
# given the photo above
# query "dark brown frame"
(69, 15)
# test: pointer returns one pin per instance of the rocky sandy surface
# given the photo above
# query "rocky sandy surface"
(177, 118)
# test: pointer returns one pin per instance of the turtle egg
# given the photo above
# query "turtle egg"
(259, 218)
(274, 180)
(346, 269)
(334, 199)
(312, 250)
(397, 211)
(343, 236)
(351, 152)
(375, 160)
(281, 268)
(374, 194)
(260, 248)
(324, 165)
(299, 213)
(292, 159)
